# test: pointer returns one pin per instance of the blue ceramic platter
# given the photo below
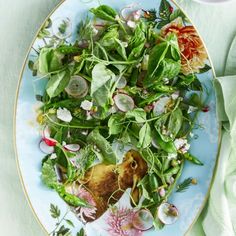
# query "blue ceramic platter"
(205, 144)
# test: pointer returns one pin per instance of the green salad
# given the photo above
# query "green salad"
(118, 111)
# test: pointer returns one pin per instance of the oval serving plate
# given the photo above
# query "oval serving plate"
(45, 203)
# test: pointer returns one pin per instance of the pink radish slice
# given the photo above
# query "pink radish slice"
(167, 213)
(143, 220)
(124, 102)
(160, 105)
(50, 142)
(46, 137)
(45, 148)
(77, 87)
(122, 83)
(72, 147)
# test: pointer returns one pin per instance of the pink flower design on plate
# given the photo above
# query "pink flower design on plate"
(120, 222)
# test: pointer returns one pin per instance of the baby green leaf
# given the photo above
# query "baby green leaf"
(57, 83)
(145, 136)
(138, 113)
(105, 12)
(175, 121)
(49, 61)
(114, 124)
(171, 68)
(120, 48)
(102, 81)
(107, 154)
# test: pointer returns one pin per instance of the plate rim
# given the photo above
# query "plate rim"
(19, 82)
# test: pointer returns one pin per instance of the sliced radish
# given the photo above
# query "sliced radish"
(124, 102)
(167, 213)
(160, 105)
(72, 147)
(122, 83)
(45, 148)
(77, 87)
(50, 141)
(143, 220)
(46, 137)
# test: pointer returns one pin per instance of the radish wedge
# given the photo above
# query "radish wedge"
(143, 220)
(160, 105)
(45, 148)
(72, 147)
(122, 83)
(77, 87)
(167, 213)
(124, 102)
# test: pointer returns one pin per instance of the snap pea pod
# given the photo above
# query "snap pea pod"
(172, 186)
(169, 173)
(192, 159)
(70, 198)
(153, 182)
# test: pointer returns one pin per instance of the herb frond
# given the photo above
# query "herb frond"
(182, 187)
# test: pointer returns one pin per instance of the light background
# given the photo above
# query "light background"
(19, 21)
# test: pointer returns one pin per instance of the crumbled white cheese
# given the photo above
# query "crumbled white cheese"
(182, 145)
(64, 114)
(86, 105)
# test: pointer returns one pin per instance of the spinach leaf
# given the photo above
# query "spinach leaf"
(49, 60)
(164, 61)
(109, 39)
(157, 55)
(120, 48)
(107, 154)
(114, 124)
(145, 186)
(145, 136)
(105, 12)
(137, 42)
(102, 81)
(49, 176)
(57, 83)
(138, 113)
(171, 68)
(161, 127)
(175, 122)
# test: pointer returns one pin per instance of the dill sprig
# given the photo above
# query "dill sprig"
(182, 187)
